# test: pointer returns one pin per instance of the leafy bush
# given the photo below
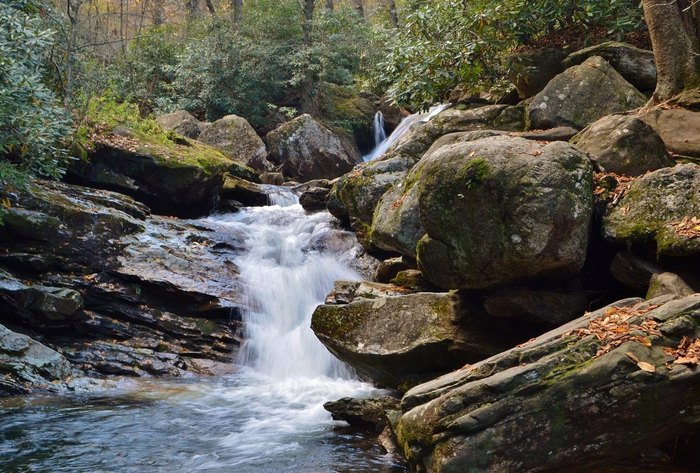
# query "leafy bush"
(32, 123)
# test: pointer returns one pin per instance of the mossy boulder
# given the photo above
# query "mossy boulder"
(28, 366)
(306, 149)
(657, 212)
(581, 95)
(181, 122)
(235, 138)
(169, 173)
(636, 65)
(571, 399)
(244, 192)
(396, 340)
(351, 110)
(624, 144)
(501, 210)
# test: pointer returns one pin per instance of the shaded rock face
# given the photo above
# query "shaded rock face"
(501, 210)
(636, 65)
(26, 364)
(244, 192)
(551, 308)
(396, 339)
(182, 123)
(522, 410)
(652, 212)
(340, 104)
(679, 129)
(236, 139)
(624, 145)
(180, 179)
(117, 290)
(363, 413)
(531, 71)
(581, 95)
(314, 199)
(307, 149)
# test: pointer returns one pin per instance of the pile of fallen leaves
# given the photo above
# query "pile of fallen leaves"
(613, 328)
(687, 353)
(604, 182)
(688, 227)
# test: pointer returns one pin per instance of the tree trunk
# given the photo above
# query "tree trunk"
(192, 9)
(210, 7)
(330, 5)
(360, 7)
(393, 13)
(158, 12)
(307, 85)
(237, 11)
(674, 28)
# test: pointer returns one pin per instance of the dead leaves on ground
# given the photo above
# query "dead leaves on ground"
(613, 328)
(687, 353)
(604, 182)
(688, 227)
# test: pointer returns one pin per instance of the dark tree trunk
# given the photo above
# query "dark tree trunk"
(360, 7)
(393, 13)
(237, 11)
(674, 27)
(210, 7)
(330, 5)
(158, 12)
(307, 85)
(192, 9)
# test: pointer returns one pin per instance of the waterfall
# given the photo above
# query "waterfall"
(404, 127)
(379, 130)
(284, 281)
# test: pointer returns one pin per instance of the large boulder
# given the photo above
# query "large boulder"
(235, 138)
(661, 209)
(306, 150)
(172, 175)
(344, 106)
(624, 144)
(581, 95)
(397, 339)
(530, 71)
(181, 122)
(27, 365)
(502, 210)
(679, 128)
(628, 372)
(636, 65)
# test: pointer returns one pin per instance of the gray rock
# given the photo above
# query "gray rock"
(389, 268)
(633, 271)
(552, 308)
(314, 199)
(653, 210)
(181, 122)
(581, 95)
(274, 178)
(246, 192)
(501, 210)
(521, 410)
(625, 145)
(234, 136)
(27, 365)
(363, 413)
(306, 149)
(678, 128)
(636, 65)
(532, 70)
(663, 284)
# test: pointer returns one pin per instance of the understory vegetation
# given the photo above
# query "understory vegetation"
(69, 65)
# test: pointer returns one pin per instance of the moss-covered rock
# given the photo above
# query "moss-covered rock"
(624, 144)
(397, 340)
(236, 139)
(500, 210)
(570, 399)
(353, 111)
(182, 123)
(170, 174)
(653, 211)
(306, 150)
(581, 95)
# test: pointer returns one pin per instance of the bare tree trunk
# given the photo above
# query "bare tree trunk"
(308, 101)
(73, 13)
(360, 7)
(393, 13)
(237, 11)
(158, 12)
(210, 7)
(192, 9)
(674, 28)
(330, 5)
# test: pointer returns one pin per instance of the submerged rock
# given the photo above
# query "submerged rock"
(501, 210)
(658, 210)
(521, 410)
(581, 95)
(306, 149)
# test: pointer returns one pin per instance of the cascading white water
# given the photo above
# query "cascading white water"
(403, 128)
(379, 129)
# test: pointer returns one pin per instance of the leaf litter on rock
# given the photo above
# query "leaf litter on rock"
(688, 227)
(686, 353)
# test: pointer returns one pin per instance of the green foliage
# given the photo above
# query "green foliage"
(446, 43)
(32, 124)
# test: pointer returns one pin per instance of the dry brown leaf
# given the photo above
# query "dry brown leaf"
(648, 367)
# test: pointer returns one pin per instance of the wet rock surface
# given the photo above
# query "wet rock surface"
(366, 413)
(118, 291)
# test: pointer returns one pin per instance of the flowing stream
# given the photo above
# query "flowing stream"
(266, 417)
